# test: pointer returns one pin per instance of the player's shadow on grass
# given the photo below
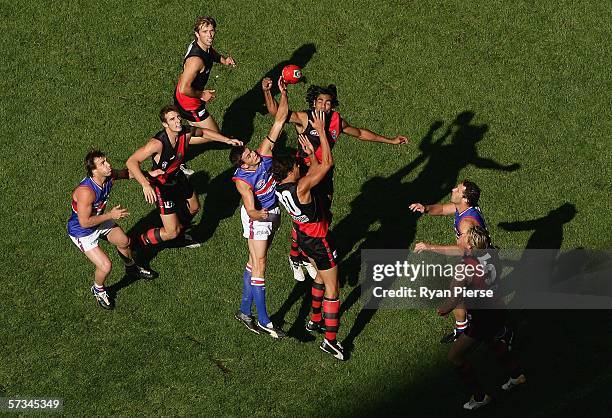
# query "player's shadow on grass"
(239, 117)
(384, 201)
(300, 291)
(533, 272)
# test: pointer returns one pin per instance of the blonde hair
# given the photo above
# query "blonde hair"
(477, 237)
(204, 20)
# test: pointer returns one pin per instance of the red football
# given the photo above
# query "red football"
(292, 74)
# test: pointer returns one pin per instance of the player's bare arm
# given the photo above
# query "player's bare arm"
(133, 164)
(316, 171)
(204, 135)
(193, 66)
(279, 121)
(249, 202)
(451, 250)
(300, 119)
(367, 135)
(437, 209)
(85, 197)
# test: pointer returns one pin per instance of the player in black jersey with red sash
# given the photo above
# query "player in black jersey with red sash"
(167, 150)
(320, 99)
(487, 313)
(311, 220)
(190, 96)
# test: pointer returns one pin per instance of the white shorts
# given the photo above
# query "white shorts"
(90, 241)
(260, 230)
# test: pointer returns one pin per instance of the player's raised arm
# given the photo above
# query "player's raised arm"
(279, 121)
(367, 135)
(204, 135)
(133, 164)
(435, 210)
(297, 118)
(316, 171)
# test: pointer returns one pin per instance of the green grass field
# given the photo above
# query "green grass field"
(79, 75)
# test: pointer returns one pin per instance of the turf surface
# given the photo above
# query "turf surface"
(529, 85)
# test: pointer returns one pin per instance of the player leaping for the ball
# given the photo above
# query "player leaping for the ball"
(260, 216)
(171, 189)
(323, 99)
(190, 95)
(88, 223)
(311, 220)
(464, 207)
(488, 323)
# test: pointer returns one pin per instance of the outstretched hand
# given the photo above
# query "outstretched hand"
(306, 145)
(318, 120)
(266, 84)
(235, 142)
(400, 140)
(208, 96)
(118, 212)
(157, 172)
(417, 207)
(282, 86)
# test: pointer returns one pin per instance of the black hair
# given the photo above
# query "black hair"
(314, 91)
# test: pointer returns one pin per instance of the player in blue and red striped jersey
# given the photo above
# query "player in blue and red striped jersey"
(88, 223)
(167, 150)
(488, 316)
(311, 220)
(320, 99)
(190, 95)
(260, 216)
(464, 207)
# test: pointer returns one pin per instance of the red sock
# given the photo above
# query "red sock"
(294, 253)
(331, 307)
(151, 237)
(318, 289)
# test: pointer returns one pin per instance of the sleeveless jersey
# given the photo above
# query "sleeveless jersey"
(171, 158)
(311, 218)
(97, 208)
(260, 182)
(208, 57)
(333, 129)
(473, 212)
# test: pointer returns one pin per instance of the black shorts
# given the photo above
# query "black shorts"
(196, 115)
(321, 250)
(171, 197)
(485, 324)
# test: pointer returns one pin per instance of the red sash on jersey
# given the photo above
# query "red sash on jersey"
(333, 132)
(174, 166)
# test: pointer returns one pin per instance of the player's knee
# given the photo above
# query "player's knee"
(172, 233)
(105, 267)
(194, 208)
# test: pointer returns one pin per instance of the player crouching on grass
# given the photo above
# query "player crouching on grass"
(88, 223)
(260, 216)
(171, 189)
(487, 319)
(311, 219)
